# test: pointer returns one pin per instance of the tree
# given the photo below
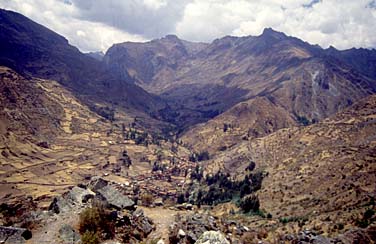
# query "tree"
(250, 203)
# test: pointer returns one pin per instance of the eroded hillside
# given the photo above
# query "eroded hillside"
(323, 173)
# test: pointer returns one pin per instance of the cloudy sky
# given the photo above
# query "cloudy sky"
(93, 25)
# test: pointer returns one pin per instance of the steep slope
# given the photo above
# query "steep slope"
(50, 141)
(305, 93)
(323, 174)
(362, 60)
(45, 129)
(32, 49)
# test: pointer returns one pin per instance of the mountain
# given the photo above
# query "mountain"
(31, 49)
(97, 55)
(206, 88)
(361, 59)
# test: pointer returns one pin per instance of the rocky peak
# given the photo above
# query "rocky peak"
(270, 33)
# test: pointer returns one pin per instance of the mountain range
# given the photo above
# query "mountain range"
(304, 114)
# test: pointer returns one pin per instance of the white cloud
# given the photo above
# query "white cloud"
(341, 23)
(96, 24)
(155, 4)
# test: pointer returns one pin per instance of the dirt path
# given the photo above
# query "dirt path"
(162, 218)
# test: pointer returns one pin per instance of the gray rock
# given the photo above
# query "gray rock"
(142, 222)
(146, 226)
(68, 235)
(212, 237)
(115, 198)
(13, 235)
(60, 205)
(78, 195)
(97, 183)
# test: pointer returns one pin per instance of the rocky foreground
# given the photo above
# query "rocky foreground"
(126, 222)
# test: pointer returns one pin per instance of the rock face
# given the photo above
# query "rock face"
(79, 195)
(69, 235)
(115, 198)
(13, 235)
(212, 237)
(76, 196)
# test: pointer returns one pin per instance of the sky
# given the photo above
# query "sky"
(94, 25)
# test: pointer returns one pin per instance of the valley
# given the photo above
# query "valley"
(262, 139)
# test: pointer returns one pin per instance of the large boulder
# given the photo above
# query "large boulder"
(212, 237)
(13, 235)
(115, 198)
(77, 196)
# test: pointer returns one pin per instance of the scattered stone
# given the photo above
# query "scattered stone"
(358, 235)
(115, 198)
(212, 237)
(141, 222)
(184, 206)
(181, 233)
(13, 235)
(68, 235)
(158, 202)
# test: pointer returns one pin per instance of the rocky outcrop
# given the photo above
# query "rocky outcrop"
(76, 196)
(79, 195)
(212, 237)
(358, 235)
(68, 235)
(115, 198)
(13, 235)
(59, 205)
(133, 227)
(189, 229)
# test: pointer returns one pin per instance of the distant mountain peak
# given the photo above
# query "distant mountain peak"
(171, 37)
(269, 32)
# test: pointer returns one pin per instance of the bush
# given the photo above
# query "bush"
(96, 220)
(90, 237)
(250, 203)
(147, 199)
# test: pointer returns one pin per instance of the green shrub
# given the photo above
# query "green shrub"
(97, 220)
(90, 237)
